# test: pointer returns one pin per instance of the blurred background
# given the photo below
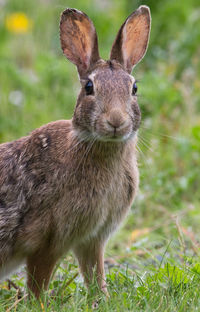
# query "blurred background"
(38, 85)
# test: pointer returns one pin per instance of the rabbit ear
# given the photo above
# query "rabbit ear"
(78, 39)
(132, 39)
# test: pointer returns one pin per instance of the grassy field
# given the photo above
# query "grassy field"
(153, 262)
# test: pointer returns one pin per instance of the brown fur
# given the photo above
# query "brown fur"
(70, 183)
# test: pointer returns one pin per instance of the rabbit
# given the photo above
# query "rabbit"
(69, 184)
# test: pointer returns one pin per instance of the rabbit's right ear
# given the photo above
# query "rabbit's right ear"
(79, 39)
(132, 39)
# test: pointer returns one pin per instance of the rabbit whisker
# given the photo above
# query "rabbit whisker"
(150, 132)
(145, 143)
(143, 156)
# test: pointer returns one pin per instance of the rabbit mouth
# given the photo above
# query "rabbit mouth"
(88, 135)
(108, 133)
(116, 138)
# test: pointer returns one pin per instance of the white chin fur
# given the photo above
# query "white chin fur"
(123, 138)
(86, 136)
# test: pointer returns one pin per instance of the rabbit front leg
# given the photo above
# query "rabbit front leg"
(90, 256)
(39, 269)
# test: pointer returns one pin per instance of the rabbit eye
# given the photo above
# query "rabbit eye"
(89, 87)
(134, 90)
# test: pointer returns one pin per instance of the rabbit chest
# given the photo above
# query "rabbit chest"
(97, 197)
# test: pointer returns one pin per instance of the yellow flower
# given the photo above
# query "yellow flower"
(18, 23)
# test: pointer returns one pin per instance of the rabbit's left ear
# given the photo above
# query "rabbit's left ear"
(132, 39)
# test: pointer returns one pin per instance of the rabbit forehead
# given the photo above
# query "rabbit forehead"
(111, 77)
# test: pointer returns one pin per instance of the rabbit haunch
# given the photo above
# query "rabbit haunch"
(70, 183)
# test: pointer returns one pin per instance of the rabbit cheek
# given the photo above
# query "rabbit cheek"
(83, 115)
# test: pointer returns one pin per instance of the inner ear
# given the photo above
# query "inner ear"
(78, 39)
(132, 39)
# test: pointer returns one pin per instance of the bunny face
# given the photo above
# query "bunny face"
(107, 106)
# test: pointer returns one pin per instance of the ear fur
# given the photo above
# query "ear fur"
(132, 39)
(78, 39)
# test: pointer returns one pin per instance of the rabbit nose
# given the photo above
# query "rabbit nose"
(116, 119)
(115, 124)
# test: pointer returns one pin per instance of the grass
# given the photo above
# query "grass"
(153, 262)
